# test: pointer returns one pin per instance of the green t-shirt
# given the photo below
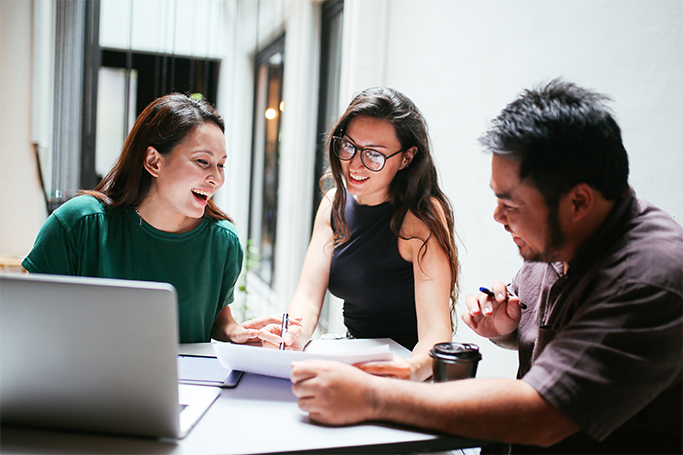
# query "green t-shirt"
(82, 238)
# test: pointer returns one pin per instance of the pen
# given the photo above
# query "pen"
(285, 325)
(491, 294)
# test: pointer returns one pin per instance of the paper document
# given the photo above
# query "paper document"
(273, 362)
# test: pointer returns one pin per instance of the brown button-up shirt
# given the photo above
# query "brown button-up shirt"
(603, 342)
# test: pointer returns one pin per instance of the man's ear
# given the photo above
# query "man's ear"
(408, 156)
(581, 200)
(153, 161)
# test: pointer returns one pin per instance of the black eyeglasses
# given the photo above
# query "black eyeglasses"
(371, 158)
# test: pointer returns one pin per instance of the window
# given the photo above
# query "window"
(328, 98)
(127, 82)
(76, 46)
(328, 110)
(112, 85)
(268, 109)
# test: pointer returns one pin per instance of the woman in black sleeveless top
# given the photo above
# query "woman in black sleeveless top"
(383, 239)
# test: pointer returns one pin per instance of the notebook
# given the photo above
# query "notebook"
(206, 370)
(94, 354)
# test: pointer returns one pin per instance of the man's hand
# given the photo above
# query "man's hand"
(333, 393)
(509, 410)
(493, 317)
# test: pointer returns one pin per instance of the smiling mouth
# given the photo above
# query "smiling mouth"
(358, 178)
(515, 238)
(202, 194)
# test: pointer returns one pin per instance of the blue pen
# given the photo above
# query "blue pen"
(491, 294)
(285, 326)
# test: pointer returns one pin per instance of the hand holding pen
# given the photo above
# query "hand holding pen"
(491, 294)
(273, 335)
(493, 313)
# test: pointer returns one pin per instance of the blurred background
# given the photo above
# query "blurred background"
(74, 74)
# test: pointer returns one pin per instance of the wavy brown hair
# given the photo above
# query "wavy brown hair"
(163, 124)
(414, 188)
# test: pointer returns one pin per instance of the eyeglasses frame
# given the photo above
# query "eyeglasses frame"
(362, 149)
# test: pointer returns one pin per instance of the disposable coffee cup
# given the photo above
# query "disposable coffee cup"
(453, 361)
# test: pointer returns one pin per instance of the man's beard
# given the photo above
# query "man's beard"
(555, 242)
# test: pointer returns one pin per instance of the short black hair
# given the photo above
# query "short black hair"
(562, 135)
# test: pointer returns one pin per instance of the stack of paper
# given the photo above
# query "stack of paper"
(273, 362)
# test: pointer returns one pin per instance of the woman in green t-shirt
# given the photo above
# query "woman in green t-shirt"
(151, 218)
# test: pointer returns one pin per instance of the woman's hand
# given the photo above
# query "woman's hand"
(398, 368)
(248, 331)
(295, 338)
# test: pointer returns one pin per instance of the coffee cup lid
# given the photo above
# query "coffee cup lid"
(449, 351)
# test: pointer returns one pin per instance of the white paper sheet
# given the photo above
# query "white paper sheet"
(273, 362)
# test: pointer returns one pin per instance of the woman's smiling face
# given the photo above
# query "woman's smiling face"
(188, 176)
(372, 188)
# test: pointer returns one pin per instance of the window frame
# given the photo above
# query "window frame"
(259, 185)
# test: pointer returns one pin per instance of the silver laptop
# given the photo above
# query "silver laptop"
(94, 354)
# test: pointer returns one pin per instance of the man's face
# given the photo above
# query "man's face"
(535, 229)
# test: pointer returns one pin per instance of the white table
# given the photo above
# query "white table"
(259, 416)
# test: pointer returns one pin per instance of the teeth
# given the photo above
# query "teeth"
(358, 177)
(203, 193)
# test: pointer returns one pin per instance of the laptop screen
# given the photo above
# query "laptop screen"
(89, 354)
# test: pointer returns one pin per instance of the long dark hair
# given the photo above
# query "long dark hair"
(414, 188)
(163, 124)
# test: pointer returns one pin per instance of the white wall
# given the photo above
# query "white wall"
(463, 61)
(22, 208)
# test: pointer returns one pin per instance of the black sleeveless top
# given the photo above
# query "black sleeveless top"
(375, 282)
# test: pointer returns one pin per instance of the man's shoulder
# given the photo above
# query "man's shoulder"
(653, 223)
(651, 249)
(655, 233)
